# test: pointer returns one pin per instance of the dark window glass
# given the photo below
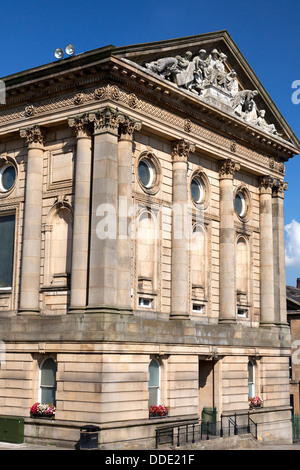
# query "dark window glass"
(7, 241)
(144, 173)
(8, 178)
(196, 190)
(240, 204)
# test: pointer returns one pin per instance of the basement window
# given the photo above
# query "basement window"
(145, 303)
(242, 312)
(198, 308)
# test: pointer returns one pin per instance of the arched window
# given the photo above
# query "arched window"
(242, 266)
(58, 246)
(48, 381)
(147, 258)
(61, 242)
(198, 268)
(154, 383)
(251, 379)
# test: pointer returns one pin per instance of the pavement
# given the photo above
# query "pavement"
(32, 447)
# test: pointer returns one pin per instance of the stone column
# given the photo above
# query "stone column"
(32, 222)
(80, 244)
(227, 243)
(103, 271)
(266, 253)
(180, 243)
(126, 132)
(279, 253)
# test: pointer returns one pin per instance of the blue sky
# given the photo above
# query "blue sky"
(266, 32)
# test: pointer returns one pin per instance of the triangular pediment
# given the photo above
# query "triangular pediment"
(211, 68)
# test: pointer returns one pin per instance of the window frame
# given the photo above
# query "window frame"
(7, 214)
(44, 387)
(251, 383)
(157, 387)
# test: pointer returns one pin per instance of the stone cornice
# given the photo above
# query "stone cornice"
(144, 110)
(114, 69)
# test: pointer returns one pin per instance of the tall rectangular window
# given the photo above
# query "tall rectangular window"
(7, 243)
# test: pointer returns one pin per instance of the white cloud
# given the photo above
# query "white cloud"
(292, 243)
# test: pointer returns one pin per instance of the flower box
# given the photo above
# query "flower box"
(158, 411)
(255, 402)
(42, 410)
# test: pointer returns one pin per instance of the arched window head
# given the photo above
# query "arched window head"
(48, 381)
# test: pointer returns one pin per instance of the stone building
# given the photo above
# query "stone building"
(293, 317)
(142, 242)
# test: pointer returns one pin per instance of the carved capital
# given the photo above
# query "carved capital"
(106, 120)
(181, 150)
(81, 125)
(279, 187)
(33, 135)
(266, 184)
(127, 128)
(228, 168)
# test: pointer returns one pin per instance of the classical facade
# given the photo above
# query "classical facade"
(142, 242)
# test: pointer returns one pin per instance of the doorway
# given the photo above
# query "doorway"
(206, 384)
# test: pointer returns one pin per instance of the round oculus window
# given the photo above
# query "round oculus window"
(196, 190)
(7, 178)
(145, 171)
(240, 204)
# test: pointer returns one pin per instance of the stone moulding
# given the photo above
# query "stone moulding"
(145, 107)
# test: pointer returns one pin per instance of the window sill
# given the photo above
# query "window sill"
(5, 290)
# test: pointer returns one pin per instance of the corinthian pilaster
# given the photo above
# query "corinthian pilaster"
(227, 312)
(180, 255)
(267, 312)
(79, 273)
(32, 228)
(126, 132)
(279, 252)
(103, 272)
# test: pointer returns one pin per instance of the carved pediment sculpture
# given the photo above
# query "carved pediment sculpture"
(206, 76)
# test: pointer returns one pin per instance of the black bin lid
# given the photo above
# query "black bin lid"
(90, 428)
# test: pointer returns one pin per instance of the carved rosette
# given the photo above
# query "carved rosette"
(33, 135)
(29, 110)
(81, 125)
(233, 146)
(132, 101)
(187, 126)
(106, 120)
(79, 98)
(114, 93)
(228, 168)
(100, 93)
(127, 128)
(181, 150)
